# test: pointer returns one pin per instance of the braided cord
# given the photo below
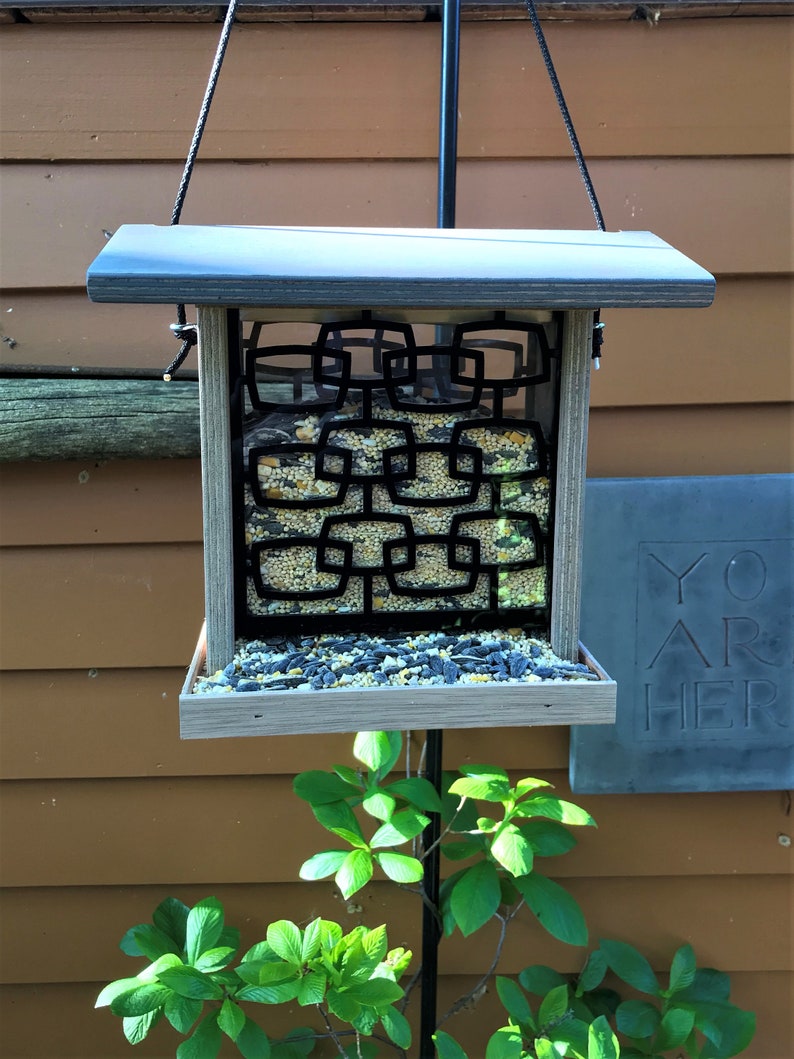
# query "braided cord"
(181, 329)
(566, 116)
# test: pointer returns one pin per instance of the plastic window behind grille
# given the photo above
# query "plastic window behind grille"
(381, 482)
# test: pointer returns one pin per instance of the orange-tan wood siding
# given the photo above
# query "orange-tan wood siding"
(688, 128)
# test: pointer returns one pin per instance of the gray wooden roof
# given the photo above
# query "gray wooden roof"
(382, 267)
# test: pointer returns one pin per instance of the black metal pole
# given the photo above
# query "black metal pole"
(448, 114)
(447, 188)
(431, 932)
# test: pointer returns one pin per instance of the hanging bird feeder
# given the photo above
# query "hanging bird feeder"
(394, 433)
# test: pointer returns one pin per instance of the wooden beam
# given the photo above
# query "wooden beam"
(105, 418)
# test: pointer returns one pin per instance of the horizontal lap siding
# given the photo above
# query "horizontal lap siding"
(116, 831)
(104, 810)
(710, 208)
(289, 91)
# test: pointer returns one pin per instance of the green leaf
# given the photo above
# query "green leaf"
(475, 897)
(403, 826)
(206, 1040)
(204, 926)
(399, 867)
(162, 963)
(493, 772)
(276, 993)
(311, 988)
(486, 783)
(379, 804)
(277, 971)
(554, 808)
(554, 1005)
(457, 812)
(638, 1018)
(708, 985)
(397, 1027)
(365, 1022)
(602, 1042)
(529, 783)
(260, 951)
(540, 979)
(215, 959)
(572, 1035)
(344, 1006)
(285, 939)
(339, 819)
(231, 1019)
(147, 940)
(137, 1027)
(504, 1044)
(514, 1000)
(682, 969)
(320, 788)
(676, 1025)
(398, 960)
(140, 1001)
(631, 966)
(513, 851)
(545, 1049)
(330, 934)
(419, 791)
(116, 989)
(554, 907)
(323, 864)
(377, 992)
(547, 837)
(170, 917)
(182, 1012)
(447, 1047)
(356, 871)
(191, 983)
(252, 1041)
(374, 942)
(378, 750)
(592, 973)
(728, 1028)
(310, 945)
(462, 850)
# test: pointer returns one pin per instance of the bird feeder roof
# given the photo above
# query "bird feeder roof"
(390, 267)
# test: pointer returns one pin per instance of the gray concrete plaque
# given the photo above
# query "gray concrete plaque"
(688, 602)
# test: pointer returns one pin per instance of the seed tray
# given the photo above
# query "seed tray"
(301, 712)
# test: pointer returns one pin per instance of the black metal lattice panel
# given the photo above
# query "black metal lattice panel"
(385, 482)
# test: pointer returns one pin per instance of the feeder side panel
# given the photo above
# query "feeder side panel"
(216, 475)
(577, 343)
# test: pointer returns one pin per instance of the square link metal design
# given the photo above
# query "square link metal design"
(380, 480)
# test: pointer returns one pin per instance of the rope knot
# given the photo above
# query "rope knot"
(188, 336)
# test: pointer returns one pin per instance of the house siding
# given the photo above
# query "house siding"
(687, 126)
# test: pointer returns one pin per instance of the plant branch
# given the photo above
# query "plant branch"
(480, 986)
(446, 830)
(331, 1031)
(409, 989)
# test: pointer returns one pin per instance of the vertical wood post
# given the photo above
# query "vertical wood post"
(216, 484)
(577, 348)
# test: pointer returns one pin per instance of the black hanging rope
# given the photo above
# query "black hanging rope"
(598, 327)
(566, 116)
(182, 329)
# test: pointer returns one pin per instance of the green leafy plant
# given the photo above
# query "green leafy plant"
(352, 977)
(575, 1018)
(498, 831)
